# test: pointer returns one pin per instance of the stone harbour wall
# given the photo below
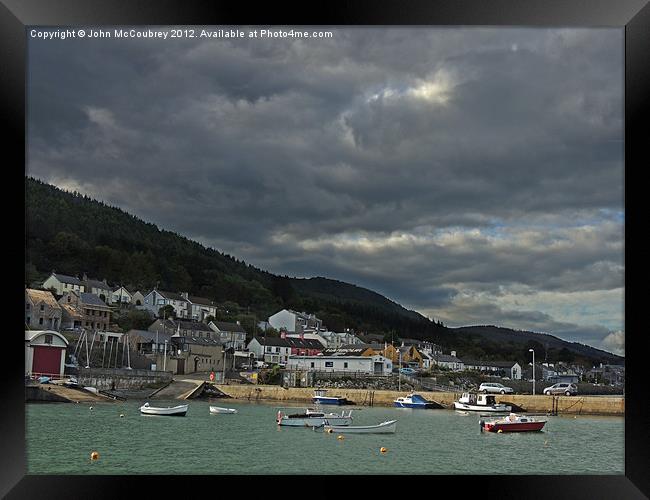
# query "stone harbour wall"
(573, 405)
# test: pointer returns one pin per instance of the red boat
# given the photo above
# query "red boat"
(513, 423)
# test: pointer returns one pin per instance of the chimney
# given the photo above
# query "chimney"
(283, 334)
(453, 353)
(85, 278)
(302, 336)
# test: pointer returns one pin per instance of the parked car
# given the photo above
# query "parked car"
(562, 388)
(495, 388)
(407, 371)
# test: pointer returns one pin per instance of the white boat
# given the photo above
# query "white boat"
(313, 418)
(387, 427)
(175, 411)
(217, 409)
(480, 402)
(415, 401)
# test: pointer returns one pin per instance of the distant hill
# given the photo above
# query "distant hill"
(74, 234)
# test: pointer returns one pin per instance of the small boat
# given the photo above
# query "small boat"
(415, 401)
(320, 398)
(513, 423)
(387, 427)
(313, 418)
(175, 411)
(480, 402)
(217, 409)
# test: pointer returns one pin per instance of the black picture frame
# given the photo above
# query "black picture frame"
(632, 15)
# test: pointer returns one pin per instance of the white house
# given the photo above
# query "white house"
(62, 283)
(509, 369)
(156, 299)
(295, 322)
(45, 353)
(449, 361)
(121, 296)
(271, 349)
(370, 365)
(137, 299)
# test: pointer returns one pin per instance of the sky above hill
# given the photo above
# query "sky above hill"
(474, 175)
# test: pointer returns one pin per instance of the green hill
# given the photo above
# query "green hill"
(74, 234)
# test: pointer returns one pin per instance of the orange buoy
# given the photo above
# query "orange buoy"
(499, 431)
(94, 455)
(383, 450)
(340, 437)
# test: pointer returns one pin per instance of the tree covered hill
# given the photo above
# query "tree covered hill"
(74, 234)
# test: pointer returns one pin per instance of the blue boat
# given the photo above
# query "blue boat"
(320, 398)
(415, 401)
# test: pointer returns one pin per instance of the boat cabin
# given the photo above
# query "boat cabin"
(478, 399)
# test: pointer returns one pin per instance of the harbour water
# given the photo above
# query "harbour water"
(61, 436)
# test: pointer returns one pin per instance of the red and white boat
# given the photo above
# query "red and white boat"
(513, 423)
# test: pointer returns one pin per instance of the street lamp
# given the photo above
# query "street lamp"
(533, 351)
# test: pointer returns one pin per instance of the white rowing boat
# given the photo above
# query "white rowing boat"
(387, 427)
(172, 411)
(218, 409)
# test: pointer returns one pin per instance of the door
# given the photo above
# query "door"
(47, 360)
(180, 367)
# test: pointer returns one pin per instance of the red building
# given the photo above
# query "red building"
(45, 353)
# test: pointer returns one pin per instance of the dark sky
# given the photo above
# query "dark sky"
(474, 175)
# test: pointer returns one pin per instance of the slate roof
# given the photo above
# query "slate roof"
(38, 296)
(447, 358)
(224, 326)
(197, 341)
(71, 280)
(96, 284)
(499, 364)
(150, 336)
(171, 324)
(172, 296)
(290, 342)
(201, 301)
(91, 299)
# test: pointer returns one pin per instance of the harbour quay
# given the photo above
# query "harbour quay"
(561, 405)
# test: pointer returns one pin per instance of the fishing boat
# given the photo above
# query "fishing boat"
(513, 423)
(175, 411)
(415, 401)
(313, 418)
(320, 398)
(218, 409)
(480, 402)
(387, 427)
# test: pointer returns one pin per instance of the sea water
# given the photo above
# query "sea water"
(250, 442)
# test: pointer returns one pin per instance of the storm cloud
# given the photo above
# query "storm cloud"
(474, 175)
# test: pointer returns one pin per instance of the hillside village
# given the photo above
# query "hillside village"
(73, 321)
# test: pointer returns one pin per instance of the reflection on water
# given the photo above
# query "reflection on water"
(60, 438)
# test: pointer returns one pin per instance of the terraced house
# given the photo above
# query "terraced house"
(85, 310)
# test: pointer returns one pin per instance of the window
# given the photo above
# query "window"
(329, 364)
(42, 307)
(312, 364)
(48, 339)
(345, 364)
(27, 306)
(40, 321)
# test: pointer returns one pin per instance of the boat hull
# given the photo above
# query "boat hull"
(329, 400)
(314, 421)
(513, 427)
(178, 411)
(383, 428)
(425, 406)
(225, 411)
(493, 408)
